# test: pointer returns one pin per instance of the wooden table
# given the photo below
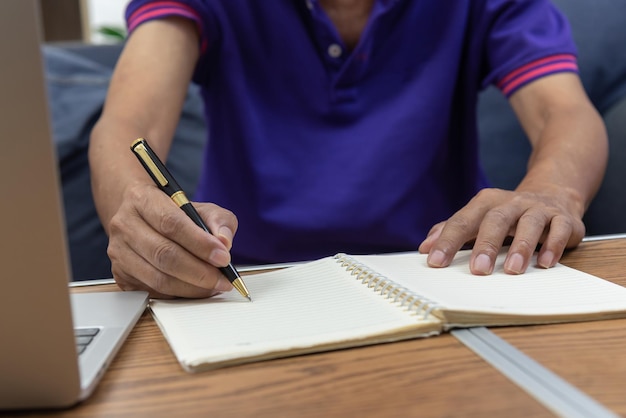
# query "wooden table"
(590, 355)
(432, 377)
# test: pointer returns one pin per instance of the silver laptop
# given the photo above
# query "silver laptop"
(40, 364)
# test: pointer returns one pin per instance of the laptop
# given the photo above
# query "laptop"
(40, 364)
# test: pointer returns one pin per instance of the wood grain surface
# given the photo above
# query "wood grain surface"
(589, 355)
(431, 377)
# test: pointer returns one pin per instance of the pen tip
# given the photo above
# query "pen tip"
(249, 298)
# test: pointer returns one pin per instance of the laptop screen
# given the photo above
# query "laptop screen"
(33, 249)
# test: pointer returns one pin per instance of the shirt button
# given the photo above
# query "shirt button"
(334, 51)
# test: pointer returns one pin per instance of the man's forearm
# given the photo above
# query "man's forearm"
(570, 146)
(570, 153)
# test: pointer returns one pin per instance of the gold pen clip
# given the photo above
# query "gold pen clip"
(141, 150)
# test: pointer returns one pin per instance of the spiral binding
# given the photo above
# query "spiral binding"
(386, 287)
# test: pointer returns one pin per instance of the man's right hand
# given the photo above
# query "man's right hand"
(154, 246)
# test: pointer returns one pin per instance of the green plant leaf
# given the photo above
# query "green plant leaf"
(112, 32)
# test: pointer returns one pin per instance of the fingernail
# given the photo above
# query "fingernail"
(482, 264)
(515, 263)
(436, 259)
(223, 285)
(219, 257)
(546, 260)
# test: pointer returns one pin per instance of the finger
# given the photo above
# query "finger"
(430, 239)
(564, 232)
(166, 218)
(127, 282)
(530, 228)
(133, 272)
(134, 242)
(170, 260)
(454, 234)
(158, 285)
(460, 228)
(221, 222)
(492, 232)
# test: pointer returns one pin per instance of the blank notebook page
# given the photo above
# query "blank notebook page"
(301, 306)
(558, 290)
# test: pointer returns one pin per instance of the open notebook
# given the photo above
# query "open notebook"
(347, 301)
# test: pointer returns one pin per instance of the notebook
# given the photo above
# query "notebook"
(347, 301)
(39, 362)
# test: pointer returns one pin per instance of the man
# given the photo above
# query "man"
(342, 126)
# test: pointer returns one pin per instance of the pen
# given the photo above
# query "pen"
(164, 180)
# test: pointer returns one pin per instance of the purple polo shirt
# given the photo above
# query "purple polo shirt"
(318, 149)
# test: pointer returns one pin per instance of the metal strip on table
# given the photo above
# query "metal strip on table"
(545, 386)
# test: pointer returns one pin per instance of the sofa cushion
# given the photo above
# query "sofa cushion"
(77, 86)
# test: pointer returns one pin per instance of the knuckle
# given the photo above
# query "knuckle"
(445, 245)
(165, 254)
(525, 246)
(114, 252)
(566, 231)
(520, 199)
(569, 222)
(498, 215)
(486, 193)
(488, 247)
(170, 223)
(116, 225)
(581, 230)
(560, 241)
(137, 196)
(460, 222)
(533, 218)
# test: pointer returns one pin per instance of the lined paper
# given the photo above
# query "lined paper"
(321, 306)
(303, 306)
(539, 291)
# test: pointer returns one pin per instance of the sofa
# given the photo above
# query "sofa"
(77, 76)
(77, 79)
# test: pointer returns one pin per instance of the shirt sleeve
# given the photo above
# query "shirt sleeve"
(526, 40)
(141, 11)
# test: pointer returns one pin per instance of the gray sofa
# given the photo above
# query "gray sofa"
(78, 76)
(599, 28)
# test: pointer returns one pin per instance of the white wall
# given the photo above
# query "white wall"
(104, 13)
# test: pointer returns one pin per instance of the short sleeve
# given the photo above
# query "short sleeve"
(526, 40)
(141, 11)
